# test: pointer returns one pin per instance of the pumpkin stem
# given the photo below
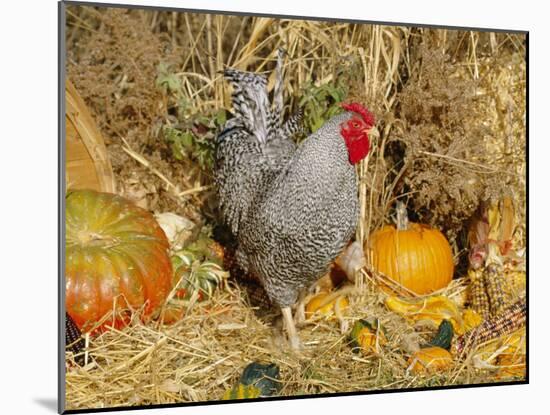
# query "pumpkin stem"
(402, 217)
(89, 238)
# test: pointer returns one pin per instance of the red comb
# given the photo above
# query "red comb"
(367, 116)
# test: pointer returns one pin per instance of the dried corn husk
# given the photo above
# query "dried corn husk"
(491, 287)
(177, 228)
(471, 319)
(512, 365)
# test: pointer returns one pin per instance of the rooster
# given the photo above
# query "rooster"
(292, 209)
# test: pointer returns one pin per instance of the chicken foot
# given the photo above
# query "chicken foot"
(350, 261)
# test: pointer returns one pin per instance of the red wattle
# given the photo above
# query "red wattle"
(357, 143)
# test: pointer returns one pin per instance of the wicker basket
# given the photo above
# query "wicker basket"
(87, 164)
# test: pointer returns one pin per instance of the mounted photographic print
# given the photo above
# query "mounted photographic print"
(259, 207)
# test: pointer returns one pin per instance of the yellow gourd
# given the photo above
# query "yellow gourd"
(430, 360)
(367, 337)
(322, 304)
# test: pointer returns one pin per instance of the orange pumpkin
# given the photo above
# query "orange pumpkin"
(430, 360)
(416, 256)
(113, 249)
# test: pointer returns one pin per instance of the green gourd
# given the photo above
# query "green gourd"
(444, 336)
(264, 377)
(257, 380)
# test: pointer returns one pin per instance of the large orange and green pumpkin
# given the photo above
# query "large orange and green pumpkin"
(116, 254)
(416, 256)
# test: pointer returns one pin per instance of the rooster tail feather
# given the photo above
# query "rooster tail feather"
(250, 101)
(277, 114)
(294, 125)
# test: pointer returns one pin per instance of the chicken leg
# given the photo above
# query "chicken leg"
(290, 328)
(300, 311)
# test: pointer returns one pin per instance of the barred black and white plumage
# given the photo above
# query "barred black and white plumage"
(291, 209)
(254, 145)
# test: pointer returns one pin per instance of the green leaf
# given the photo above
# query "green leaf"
(187, 140)
(221, 117)
(170, 82)
(320, 103)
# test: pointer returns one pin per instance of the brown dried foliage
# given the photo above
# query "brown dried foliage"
(446, 146)
(113, 63)
(116, 70)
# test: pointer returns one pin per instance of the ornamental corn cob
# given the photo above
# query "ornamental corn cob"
(490, 240)
(511, 319)
(495, 285)
(479, 299)
(74, 342)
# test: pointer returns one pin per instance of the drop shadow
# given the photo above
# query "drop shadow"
(48, 403)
